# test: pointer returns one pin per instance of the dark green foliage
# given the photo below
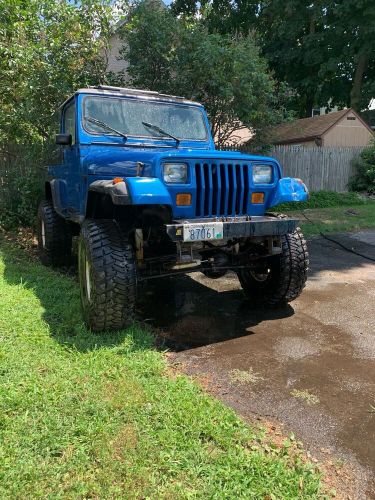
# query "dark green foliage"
(27, 191)
(364, 180)
(324, 50)
(23, 185)
(223, 71)
(47, 50)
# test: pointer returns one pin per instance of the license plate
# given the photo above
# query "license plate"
(203, 232)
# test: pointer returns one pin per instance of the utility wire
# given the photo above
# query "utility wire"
(337, 242)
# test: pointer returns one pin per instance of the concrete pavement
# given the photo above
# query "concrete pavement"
(309, 366)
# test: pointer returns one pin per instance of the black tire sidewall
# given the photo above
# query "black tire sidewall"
(83, 254)
(112, 276)
(288, 274)
(57, 235)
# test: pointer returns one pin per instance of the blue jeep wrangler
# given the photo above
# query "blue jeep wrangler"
(142, 185)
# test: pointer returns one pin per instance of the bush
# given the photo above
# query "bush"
(226, 73)
(22, 188)
(27, 191)
(364, 179)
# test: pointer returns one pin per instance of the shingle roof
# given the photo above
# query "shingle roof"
(306, 128)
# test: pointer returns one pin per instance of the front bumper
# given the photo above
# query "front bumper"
(239, 227)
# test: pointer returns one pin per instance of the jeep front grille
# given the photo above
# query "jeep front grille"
(222, 188)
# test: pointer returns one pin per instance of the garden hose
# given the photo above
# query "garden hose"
(344, 247)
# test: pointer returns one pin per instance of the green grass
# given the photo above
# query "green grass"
(331, 212)
(324, 199)
(336, 219)
(89, 416)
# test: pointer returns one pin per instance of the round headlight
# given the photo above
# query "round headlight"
(262, 174)
(175, 173)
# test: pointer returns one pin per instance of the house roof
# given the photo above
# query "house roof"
(308, 128)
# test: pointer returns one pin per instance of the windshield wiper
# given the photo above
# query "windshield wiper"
(161, 131)
(105, 126)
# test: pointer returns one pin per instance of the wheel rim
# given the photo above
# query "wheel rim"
(43, 231)
(261, 277)
(88, 279)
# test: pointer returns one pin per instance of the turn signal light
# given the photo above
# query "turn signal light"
(116, 180)
(183, 199)
(257, 198)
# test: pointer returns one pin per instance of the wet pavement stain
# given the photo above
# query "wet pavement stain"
(322, 344)
(190, 314)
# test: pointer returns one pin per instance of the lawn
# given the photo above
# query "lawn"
(86, 416)
(336, 219)
(329, 212)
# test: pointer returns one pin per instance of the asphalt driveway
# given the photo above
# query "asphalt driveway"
(309, 367)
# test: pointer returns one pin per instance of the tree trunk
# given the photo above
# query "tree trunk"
(355, 93)
(306, 106)
(310, 94)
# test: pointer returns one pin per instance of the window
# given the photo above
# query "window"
(70, 121)
(127, 115)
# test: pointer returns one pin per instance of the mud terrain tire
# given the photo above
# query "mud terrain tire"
(287, 274)
(54, 236)
(107, 275)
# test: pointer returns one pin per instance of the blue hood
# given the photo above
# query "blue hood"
(121, 160)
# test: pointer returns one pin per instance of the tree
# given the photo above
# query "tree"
(324, 49)
(364, 179)
(224, 72)
(352, 28)
(47, 49)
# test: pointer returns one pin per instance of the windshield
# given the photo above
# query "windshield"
(127, 115)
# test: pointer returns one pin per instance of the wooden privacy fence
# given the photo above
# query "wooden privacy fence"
(320, 168)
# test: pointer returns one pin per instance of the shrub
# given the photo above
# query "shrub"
(364, 179)
(22, 188)
(224, 72)
(27, 192)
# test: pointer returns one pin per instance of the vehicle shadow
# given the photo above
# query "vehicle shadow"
(58, 294)
(188, 313)
(192, 311)
(183, 312)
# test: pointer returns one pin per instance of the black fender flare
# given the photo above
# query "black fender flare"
(58, 192)
(118, 191)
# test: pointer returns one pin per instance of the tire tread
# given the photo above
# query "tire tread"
(58, 248)
(291, 276)
(113, 274)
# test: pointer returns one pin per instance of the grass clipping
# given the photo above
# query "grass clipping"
(90, 416)
(306, 396)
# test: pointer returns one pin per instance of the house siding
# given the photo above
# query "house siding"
(114, 62)
(347, 133)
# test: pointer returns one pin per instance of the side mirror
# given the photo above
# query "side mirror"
(64, 139)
